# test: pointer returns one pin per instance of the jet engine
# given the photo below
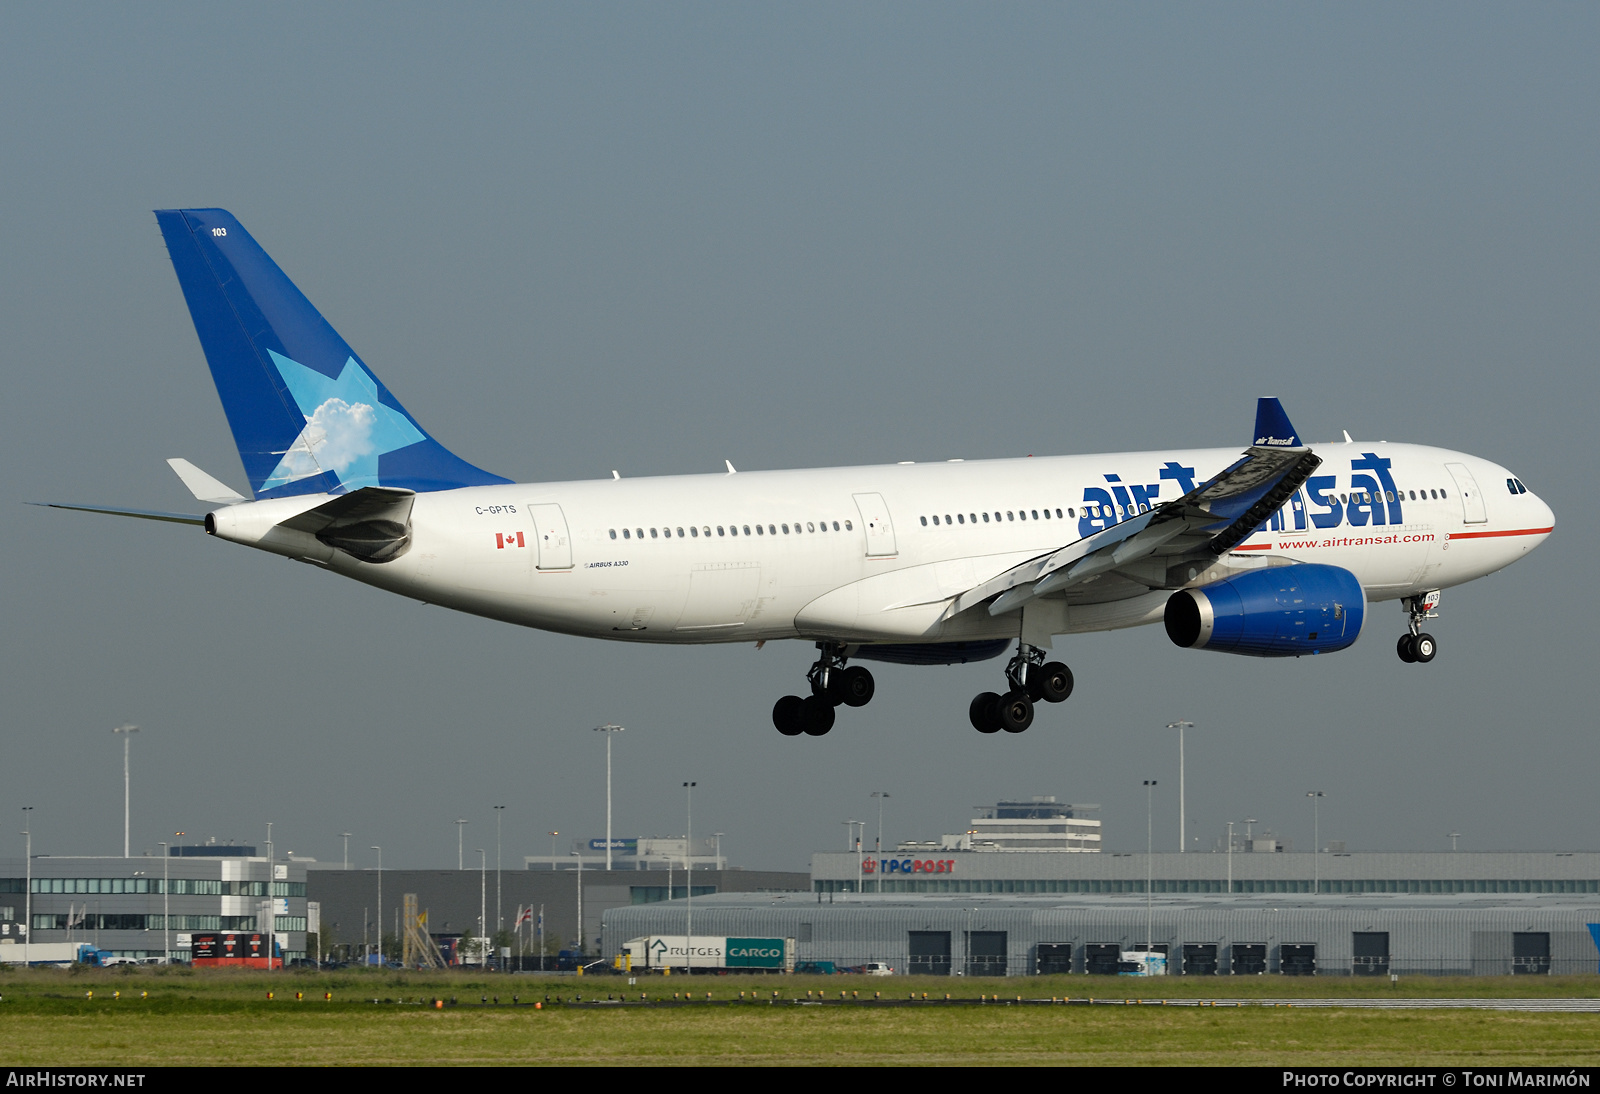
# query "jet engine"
(1279, 611)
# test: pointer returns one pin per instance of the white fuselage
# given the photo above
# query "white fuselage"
(875, 554)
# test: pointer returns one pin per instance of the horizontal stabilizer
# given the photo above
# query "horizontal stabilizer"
(203, 486)
(117, 511)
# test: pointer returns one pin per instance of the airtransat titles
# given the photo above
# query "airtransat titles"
(1274, 550)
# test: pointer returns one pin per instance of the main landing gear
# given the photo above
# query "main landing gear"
(1415, 647)
(832, 685)
(1032, 679)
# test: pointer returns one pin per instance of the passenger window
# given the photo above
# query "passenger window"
(785, 529)
(693, 531)
(961, 518)
(1444, 494)
(936, 518)
(848, 526)
(986, 518)
(613, 533)
(719, 529)
(638, 533)
(1069, 512)
(759, 530)
(1009, 515)
(652, 533)
(1047, 514)
(680, 533)
(626, 534)
(822, 526)
(1058, 512)
(809, 526)
(1022, 514)
(772, 529)
(1388, 495)
(747, 529)
(1036, 514)
(924, 521)
(973, 517)
(1413, 495)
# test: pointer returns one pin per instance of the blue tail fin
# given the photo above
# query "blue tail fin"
(1273, 428)
(307, 415)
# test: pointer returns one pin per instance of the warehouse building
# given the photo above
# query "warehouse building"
(1344, 873)
(147, 907)
(988, 935)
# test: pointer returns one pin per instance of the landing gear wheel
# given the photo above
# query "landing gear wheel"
(1426, 648)
(1054, 682)
(816, 715)
(984, 712)
(787, 715)
(1016, 712)
(853, 686)
(1407, 648)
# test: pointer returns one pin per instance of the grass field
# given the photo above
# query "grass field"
(210, 1017)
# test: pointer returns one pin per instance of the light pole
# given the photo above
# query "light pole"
(688, 877)
(346, 836)
(1149, 861)
(855, 843)
(27, 899)
(1230, 856)
(483, 897)
(718, 837)
(1182, 804)
(608, 731)
(271, 927)
(553, 836)
(1316, 797)
(126, 733)
(580, 901)
(460, 860)
(166, 913)
(881, 795)
(499, 920)
(1453, 837)
(378, 849)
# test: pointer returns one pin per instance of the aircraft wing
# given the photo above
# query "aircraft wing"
(1210, 520)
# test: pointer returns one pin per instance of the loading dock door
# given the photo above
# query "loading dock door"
(929, 952)
(1371, 950)
(1101, 958)
(1199, 959)
(1530, 952)
(1248, 959)
(986, 953)
(1055, 958)
(1299, 959)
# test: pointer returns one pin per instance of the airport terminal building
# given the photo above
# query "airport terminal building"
(147, 907)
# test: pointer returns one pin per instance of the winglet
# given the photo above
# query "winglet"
(1273, 428)
(203, 486)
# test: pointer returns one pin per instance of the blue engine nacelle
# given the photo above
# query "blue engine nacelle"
(1280, 611)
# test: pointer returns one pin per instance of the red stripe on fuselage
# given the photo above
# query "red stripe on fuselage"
(1511, 532)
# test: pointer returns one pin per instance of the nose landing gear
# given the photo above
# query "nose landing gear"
(1032, 680)
(1415, 647)
(832, 685)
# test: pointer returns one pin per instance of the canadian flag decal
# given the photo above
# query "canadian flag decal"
(503, 540)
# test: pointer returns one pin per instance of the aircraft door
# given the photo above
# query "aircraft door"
(1472, 510)
(550, 534)
(877, 526)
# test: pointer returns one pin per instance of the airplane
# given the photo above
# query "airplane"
(1275, 550)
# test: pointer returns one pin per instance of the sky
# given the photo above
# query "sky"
(652, 237)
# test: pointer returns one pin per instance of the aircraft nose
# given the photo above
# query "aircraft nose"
(1547, 516)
